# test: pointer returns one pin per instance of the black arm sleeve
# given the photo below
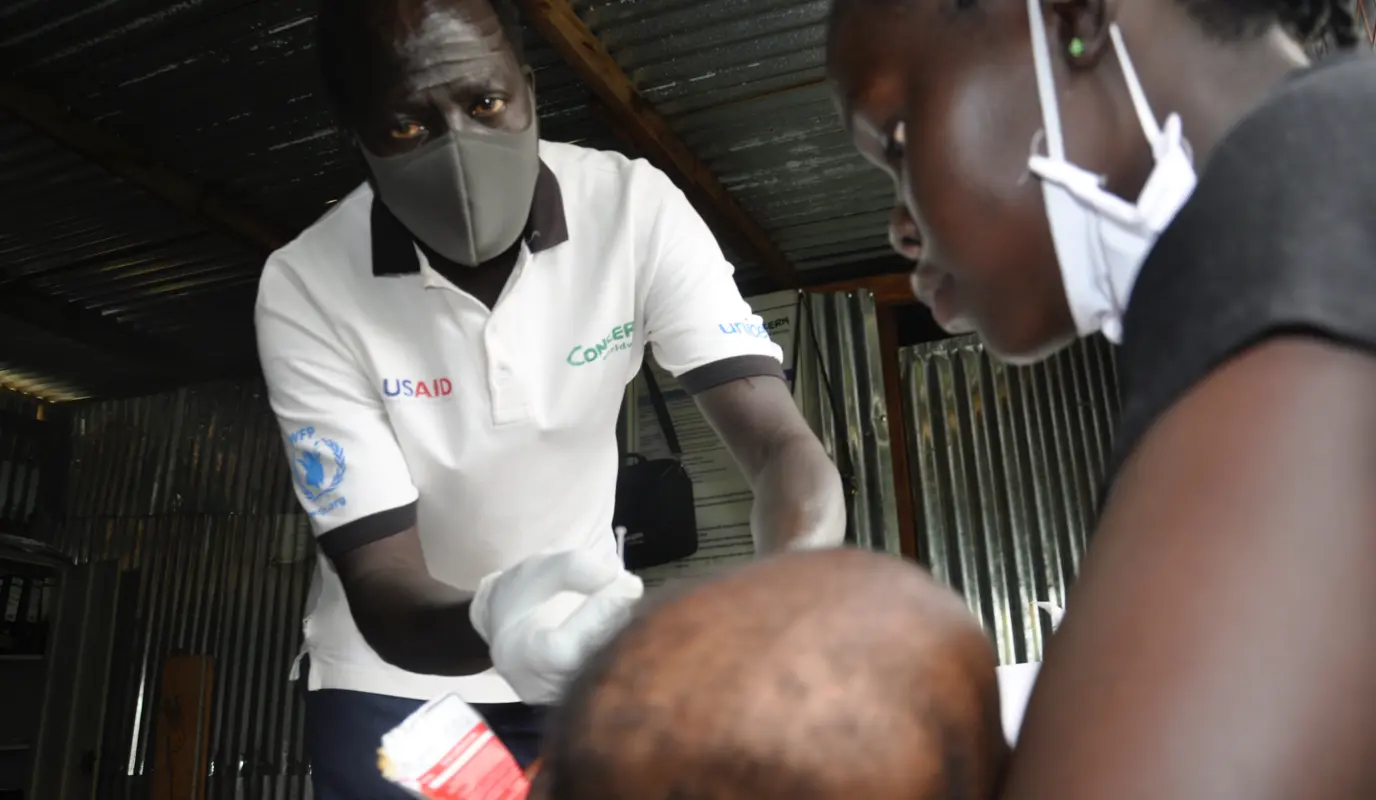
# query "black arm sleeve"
(366, 530)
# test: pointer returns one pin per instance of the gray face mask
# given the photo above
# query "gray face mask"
(466, 195)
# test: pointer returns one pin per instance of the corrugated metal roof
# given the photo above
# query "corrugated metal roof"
(742, 82)
(73, 232)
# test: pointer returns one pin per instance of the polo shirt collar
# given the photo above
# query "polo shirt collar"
(394, 251)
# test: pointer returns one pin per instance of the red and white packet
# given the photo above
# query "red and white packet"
(446, 751)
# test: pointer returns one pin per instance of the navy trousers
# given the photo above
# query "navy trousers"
(344, 730)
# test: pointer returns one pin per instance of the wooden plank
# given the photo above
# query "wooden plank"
(54, 121)
(634, 119)
(898, 430)
(182, 729)
(892, 289)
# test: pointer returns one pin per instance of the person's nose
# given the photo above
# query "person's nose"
(903, 234)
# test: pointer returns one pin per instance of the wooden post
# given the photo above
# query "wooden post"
(181, 740)
(898, 429)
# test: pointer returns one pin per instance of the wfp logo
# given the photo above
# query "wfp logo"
(317, 468)
(754, 329)
(619, 338)
(397, 387)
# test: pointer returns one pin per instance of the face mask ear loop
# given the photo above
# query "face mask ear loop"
(1150, 126)
(1046, 85)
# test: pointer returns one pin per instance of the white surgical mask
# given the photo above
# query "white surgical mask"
(1101, 239)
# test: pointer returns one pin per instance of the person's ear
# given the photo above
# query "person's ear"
(1083, 28)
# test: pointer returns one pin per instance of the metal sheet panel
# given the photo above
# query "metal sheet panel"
(1007, 463)
(25, 447)
(743, 83)
(849, 378)
(212, 449)
(189, 494)
(20, 404)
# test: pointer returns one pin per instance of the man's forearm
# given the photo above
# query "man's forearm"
(798, 497)
(421, 626)
(799, 502)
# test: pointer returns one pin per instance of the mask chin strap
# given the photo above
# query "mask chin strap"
(1046, 85)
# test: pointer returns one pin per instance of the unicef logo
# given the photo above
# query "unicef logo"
(317, 464)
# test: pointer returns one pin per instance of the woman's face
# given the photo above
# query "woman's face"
(945, 102)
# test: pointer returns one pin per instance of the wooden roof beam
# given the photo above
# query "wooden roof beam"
(649, 133)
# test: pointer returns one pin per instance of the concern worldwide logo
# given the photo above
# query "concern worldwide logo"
(619, 338)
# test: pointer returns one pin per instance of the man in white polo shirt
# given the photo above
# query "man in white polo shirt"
(446, 351)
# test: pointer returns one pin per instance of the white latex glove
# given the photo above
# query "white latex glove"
(543, 617)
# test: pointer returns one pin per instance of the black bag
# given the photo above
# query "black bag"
(654, 498)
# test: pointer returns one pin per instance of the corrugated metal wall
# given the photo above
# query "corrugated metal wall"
(23, 404)
(26, 443)
(847, 332)
(188, 492)
(1007, 464)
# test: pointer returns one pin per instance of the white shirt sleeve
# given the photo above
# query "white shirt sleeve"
(347, 469)
(694, 313)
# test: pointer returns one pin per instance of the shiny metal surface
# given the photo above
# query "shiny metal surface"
(742, 81)
(189, 494)
(847, 335)
(1007, 465)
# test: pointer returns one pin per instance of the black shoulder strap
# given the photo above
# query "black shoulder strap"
(666, 424)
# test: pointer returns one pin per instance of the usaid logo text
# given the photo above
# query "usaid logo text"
(744, 329)
(405, 387)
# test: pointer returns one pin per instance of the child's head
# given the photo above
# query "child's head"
(830, 674)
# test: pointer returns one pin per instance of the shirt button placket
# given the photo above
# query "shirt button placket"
(506, 395)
